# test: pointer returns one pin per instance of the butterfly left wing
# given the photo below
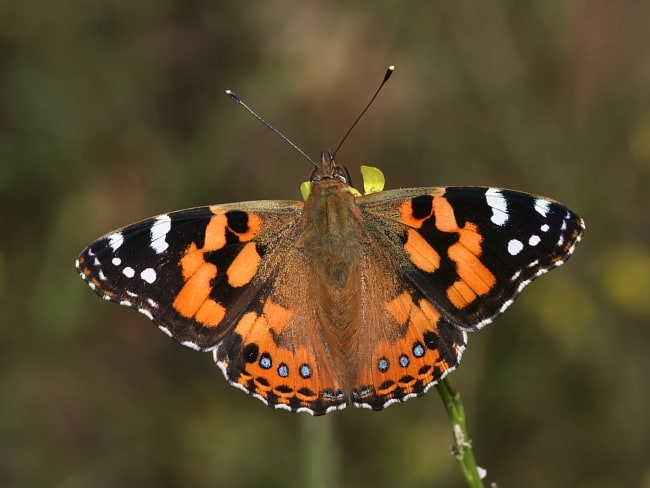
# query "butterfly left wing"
(227, 279)
(193, 272)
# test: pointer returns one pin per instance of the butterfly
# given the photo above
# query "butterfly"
(343, 298)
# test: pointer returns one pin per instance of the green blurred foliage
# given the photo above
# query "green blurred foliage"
(112, 111)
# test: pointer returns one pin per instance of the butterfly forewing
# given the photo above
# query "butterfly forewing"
(190, 271)
(471, 250)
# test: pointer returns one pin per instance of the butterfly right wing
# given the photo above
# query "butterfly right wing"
(448, 260)
(471, 250)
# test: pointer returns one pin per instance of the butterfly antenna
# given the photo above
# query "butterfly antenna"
(235, 98)
(387, 76)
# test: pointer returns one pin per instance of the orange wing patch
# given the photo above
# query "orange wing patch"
(421, 253)
(193, 300)
(474, 278)
(191, 261)
(244, 267)
(254, 326)
(196, 290)
(245, 229)
(210, 313)
(215, 232)
(403, 309)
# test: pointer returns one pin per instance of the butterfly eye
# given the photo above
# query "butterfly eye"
(341, 173)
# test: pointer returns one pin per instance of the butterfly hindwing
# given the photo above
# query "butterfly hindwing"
(277, 351)
(413, 349)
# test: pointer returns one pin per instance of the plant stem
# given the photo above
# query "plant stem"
(462, 447)
(320, 455)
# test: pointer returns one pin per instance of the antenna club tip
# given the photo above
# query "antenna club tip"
(232, 95)
(389, 73)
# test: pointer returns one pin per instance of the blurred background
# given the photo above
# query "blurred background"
(113, 111)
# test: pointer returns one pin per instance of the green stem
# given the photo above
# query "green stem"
(462, 447)
(320, 455)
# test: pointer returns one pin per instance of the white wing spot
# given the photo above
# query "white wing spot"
(148, 275)
(115, 240)
(499, 206)
(146, 313)
(544, 228)
(534, 240)
(129, 272)
(116, 261)
(542, 206)
(159, 229)
(191, 345)
(165, 330)
(514, 247)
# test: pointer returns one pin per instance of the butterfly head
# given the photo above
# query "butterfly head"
(373, 178)
(328, 169)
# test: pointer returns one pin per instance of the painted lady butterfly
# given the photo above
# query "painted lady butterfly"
(345, 298)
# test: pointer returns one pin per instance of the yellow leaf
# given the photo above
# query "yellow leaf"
(305, 189)
(373, 179)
